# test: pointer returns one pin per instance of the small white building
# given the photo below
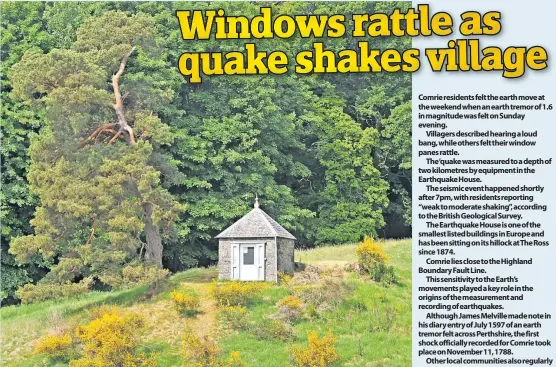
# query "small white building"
(255, 248)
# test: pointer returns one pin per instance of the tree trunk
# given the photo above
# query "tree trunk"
(153, 249)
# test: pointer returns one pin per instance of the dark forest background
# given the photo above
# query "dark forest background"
(329, 155)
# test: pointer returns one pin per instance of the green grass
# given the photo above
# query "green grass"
(351, 320)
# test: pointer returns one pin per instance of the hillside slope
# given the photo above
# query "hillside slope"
(372, 323)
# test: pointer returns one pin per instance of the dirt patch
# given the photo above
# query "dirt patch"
(205, 322)
(165, 324)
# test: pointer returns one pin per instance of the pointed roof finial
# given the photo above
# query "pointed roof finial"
(256, 206)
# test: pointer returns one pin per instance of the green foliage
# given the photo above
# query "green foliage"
(370, 253)
(319, 352)
(80, 178)
(31, 293)
(56, 347)
(134, 275)
(185, 304)
(354, 194)
(235, 293)
(329, 155)
(383, 273)
(273, 330)
(204, 352)
(111, 339)
(22, 29)
(234, 317)
(372, 260)
(396, 149)
(382, 319)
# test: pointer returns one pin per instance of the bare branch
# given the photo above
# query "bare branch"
(104, 130)
(115, 137)
(119, 105)
(96, 132)
(92, 233)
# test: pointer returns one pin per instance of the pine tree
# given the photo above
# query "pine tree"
(94, 165)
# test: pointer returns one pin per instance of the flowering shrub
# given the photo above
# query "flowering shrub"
(234, 317)
(290, 308)
(235, 293)
(201, 352)
(319, 352)
(373, 261)
(185, 304)
(204, 352)
(284, 278)
(111, 340)
(292, 302)
(370, 253)
(235, 360)
(55, 346)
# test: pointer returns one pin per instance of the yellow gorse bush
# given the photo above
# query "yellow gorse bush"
(111, 340)
(201, 352)
(319, 352)
(292, 302)
(284, 278)
(235, 360)
(233, 310)
(370, 253)
(204, 352)
(235, 293)
(56, 346)
(185, 303)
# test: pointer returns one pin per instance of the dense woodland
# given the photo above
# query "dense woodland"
(111, 159)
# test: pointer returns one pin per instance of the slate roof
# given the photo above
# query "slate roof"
(256, 223)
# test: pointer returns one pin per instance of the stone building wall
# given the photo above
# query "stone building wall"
(225, 256)
(286, 255)
(224, 259)
(270, 271)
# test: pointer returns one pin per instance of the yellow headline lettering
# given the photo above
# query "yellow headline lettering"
(465, 55)
(459, 55)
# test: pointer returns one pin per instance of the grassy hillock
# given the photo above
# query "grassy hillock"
(371, 322)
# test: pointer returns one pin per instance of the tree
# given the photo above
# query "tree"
(328, 154)
(352, 194)
(23, 28)
(95, 163)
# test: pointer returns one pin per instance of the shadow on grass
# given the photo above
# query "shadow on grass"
(191, 314)
(121, 298)
(71, 306)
